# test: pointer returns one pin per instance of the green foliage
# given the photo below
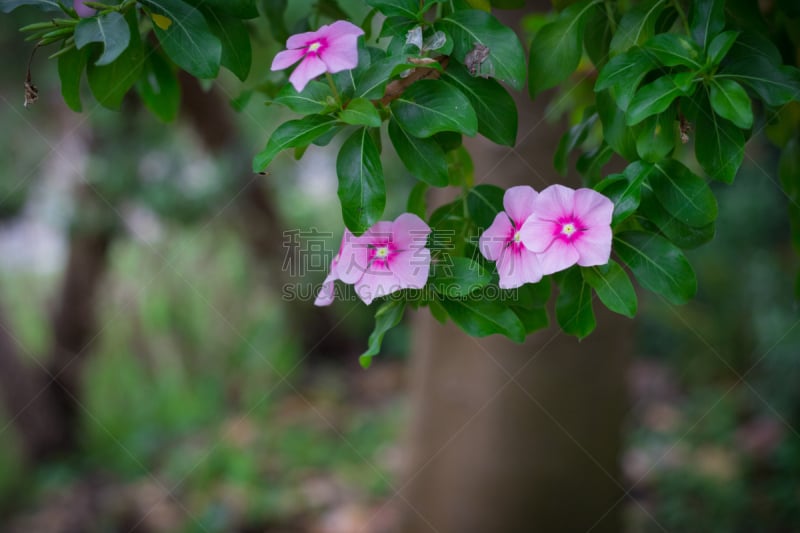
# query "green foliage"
(361, 189)
(574, 310)
(387, 316)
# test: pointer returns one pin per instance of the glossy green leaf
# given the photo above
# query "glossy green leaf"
(424, 158)
(571, 139)
(316, 98)
(707, 20)
(110, 83)
(372, 82)
(685, 195)
(532, 319)
(494, 107)
(657, 96)
(292, 134)
(396, 8)
(678, 233)
(483, 203)
(456, 277)
(388, 315)
(111, 30)
(718, 145)
(574, 311)
(70, 71)
(188, 40)
(506, 60)
(720, 46)
(557, 48)
(658, 265)
(237, 54)
(637, 25)
(362, 192)
(613, 287)
(242, 9)
(625, 189)
(529, 296)
(624, 73)
(755, 62)
(158, 87)
(615, 132)
(361, 112)
(597, 34)
(7, 6)
(672, 50)
(417, 202)
(460, 168)
(431, 106)
(655, 136)
(730, 101)
(480, 318)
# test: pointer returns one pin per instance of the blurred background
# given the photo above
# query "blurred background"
(157, 375)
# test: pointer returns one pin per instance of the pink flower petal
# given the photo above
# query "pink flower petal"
(326, 292)
(82, 10)
(518, 203)
(592, 208)
(286, 59)
(341, 28)
(341, 53)
(353, 258)
(554, 202)
(494, 240)
(594, 246)
(411, 267)
(561, 255)
(308, 69)
(517, 267)
(409, 231)
(301, 40)
(377, 282)
(537, 235)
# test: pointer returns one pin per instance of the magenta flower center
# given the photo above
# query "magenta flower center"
(514, 240)
(380, 254)
(569, 229)
(315, 47)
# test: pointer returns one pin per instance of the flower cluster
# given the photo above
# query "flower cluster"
(388, 257)
(543, 233)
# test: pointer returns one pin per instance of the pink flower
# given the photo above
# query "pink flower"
(388, 257)
(568, 227)
(516, 263)
(81, 9)
(332, 48)
(326, 293)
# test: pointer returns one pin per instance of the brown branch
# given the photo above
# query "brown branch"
(397, 87)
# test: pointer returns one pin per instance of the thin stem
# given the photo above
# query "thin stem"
(610, 14)
(681, 15)
(334, 90)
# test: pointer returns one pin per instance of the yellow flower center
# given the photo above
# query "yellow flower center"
(313, 47)
(517, 237)
(382, 252)
(568, 229)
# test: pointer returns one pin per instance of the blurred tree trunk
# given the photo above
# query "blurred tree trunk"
(508, 437)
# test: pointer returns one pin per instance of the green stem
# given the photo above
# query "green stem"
(333, 89)
(610, 14)
(681, 15)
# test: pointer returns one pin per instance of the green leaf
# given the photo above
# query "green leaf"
(718, 145)
(532, 319)
(388, 315)
(7, 6)
(707, 20)
(658, 265)
(396, 8)
(637, 25)
(529, 296)
(188, 40)
(730, 101)
(417, 202)
(237, 54)
(680, 234)
(460, 168)
(494, 107)
(623, 73)
(292, 134)
(557, 48)
(397, 27)
(362, 192)
(672, 50)
(424, 158)
(656, 136)
(158, 87)
(361, 112)
(615, 132)
(110, 29)
(613, 287)
(242, 9)
(752, 61)
(657, 96)
(431, 106)
(371, 84)
(483, 204)
(685, 195)
(506, 55)
(597, 35)
(625, 189)
(275, 11)
(720, 46)
(456, 277)
(570, 140)
(480, 318)
(316, 98)
(574, 311)
(70, 70)
(110, 83)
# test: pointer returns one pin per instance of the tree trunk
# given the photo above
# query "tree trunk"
(516, 438)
